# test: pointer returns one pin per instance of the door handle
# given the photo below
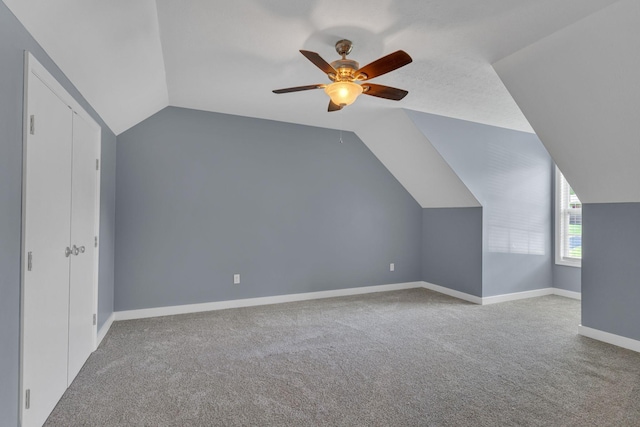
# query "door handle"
(75, 250)
(82, 249)
(67, 251)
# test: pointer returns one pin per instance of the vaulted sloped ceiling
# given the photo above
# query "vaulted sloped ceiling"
(110, 50)
(580, 89)
(130, 59)
(405, 150)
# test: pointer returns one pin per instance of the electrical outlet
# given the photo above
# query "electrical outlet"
(236, 279)
(392, 267)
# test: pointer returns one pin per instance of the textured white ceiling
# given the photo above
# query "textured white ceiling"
(131, 58)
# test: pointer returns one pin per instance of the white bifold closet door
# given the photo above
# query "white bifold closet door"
(83, 232)
(59, 233)
(45, 324)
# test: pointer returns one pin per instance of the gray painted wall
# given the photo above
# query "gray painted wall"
(610, 268)
(452, 248)
(14, 39)
(201, 196)
(567, 278)
(509, 172)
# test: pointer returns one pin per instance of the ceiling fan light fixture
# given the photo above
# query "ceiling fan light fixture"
(343, 93)
(347, 73)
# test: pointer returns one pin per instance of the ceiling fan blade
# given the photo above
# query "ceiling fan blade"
(333, 106)
(385, 92)
(299, 88)
(319, 62)
(388, 63)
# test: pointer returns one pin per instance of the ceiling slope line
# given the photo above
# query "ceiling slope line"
(411, 158)
(585, 116)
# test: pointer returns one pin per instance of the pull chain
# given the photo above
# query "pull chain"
(341, 142)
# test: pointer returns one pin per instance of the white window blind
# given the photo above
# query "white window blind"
(568, 224)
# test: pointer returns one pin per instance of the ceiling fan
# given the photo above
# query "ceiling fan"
(345, 73)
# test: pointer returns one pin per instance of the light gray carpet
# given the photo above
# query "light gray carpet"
(406, 358)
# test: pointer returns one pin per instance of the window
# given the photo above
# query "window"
(568, 224)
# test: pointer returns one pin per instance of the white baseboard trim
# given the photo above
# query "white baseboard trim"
(502, 298)
(250, 302)
(609, 338)
(567, 294)
(278, 299)
(452, 293)
(104, 329)
(517, 295)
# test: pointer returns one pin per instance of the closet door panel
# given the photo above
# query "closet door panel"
(83, 230)
(47, 233)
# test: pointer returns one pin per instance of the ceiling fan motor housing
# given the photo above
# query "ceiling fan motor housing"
(346, 69)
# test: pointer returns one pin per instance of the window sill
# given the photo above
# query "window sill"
(567, 263)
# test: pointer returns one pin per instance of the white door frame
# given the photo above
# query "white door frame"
(34, 69)
(96, 254)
